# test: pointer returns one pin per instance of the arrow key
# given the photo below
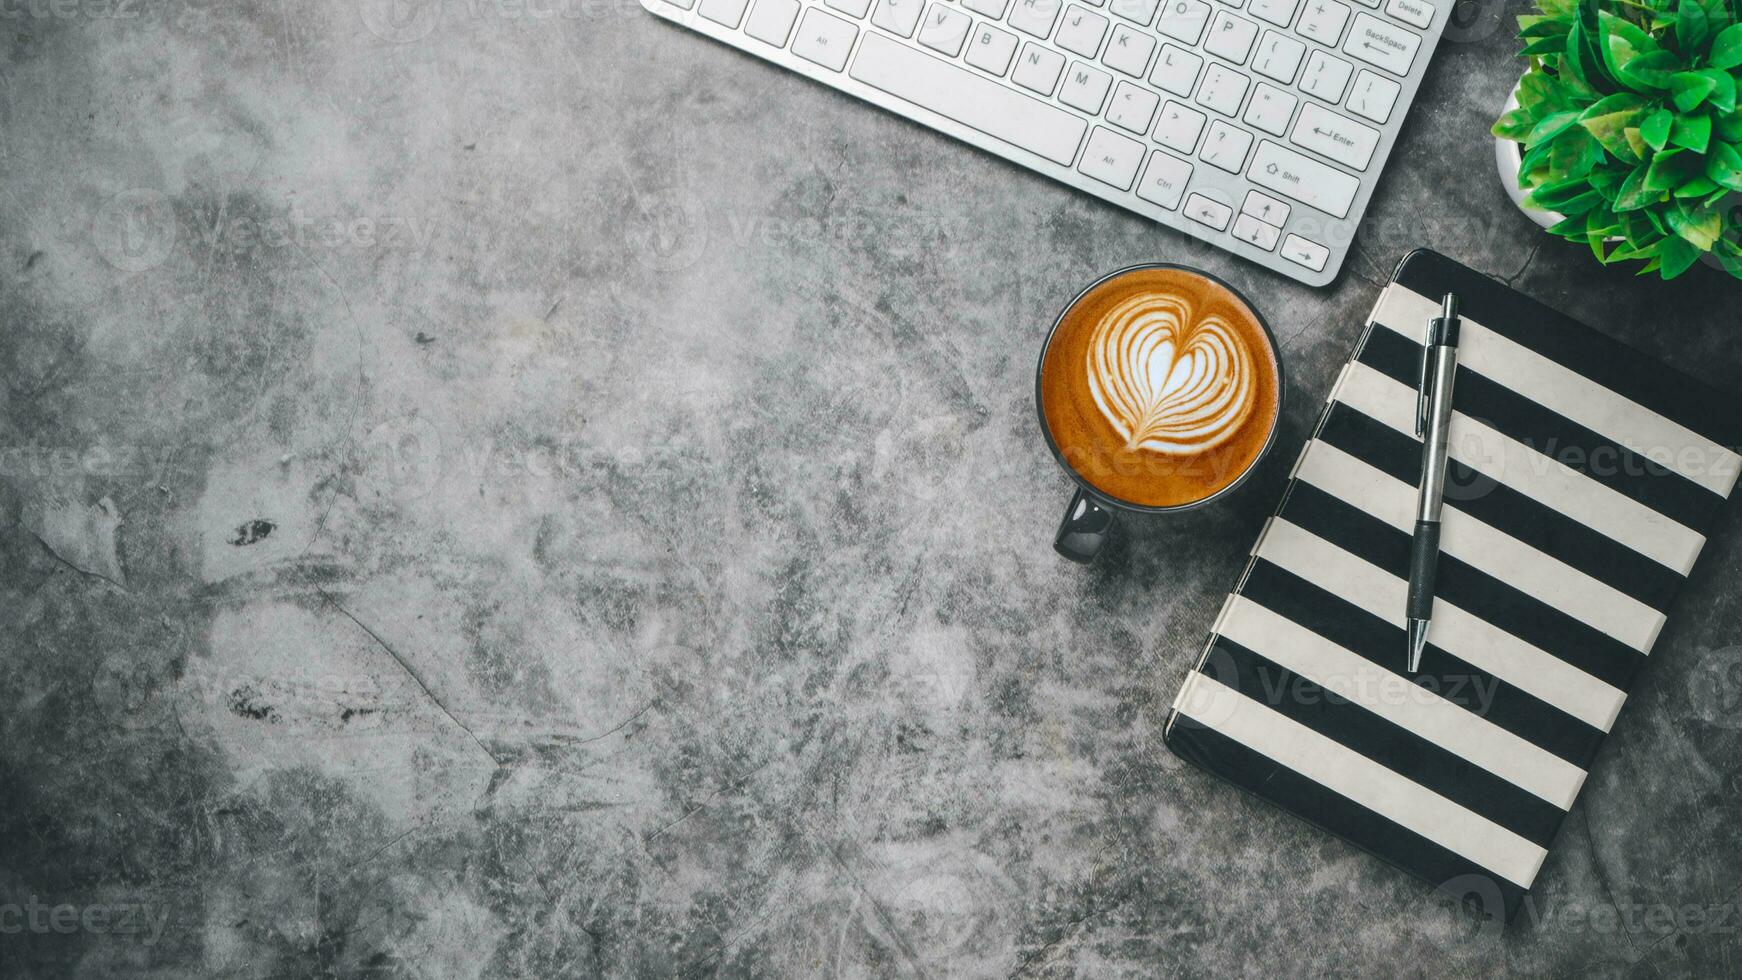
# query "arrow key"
(1265, 208)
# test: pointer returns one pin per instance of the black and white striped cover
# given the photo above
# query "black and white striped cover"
(1584, 476)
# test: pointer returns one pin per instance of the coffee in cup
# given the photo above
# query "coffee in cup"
(1159, 389)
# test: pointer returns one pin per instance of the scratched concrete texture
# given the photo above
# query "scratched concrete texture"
(509, 489)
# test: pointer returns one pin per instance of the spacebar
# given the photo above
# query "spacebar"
(968, 99)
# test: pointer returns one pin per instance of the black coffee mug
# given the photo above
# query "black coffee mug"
(1092, 514)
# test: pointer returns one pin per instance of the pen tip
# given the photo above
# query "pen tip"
(1417, 642)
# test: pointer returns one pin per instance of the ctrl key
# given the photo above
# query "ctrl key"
(1164, 180)
(1301, 251)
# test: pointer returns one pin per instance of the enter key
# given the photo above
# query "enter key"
(1335, 136)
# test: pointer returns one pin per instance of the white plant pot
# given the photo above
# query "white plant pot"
(1508, 156)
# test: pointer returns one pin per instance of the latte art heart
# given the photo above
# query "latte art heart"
(1166, 382)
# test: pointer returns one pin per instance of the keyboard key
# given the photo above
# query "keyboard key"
(898, 16)
(1325, 76)
(1304, 252)
(1180, 127)
(1183, 20)
(826, 39)
(1278, 57)
(1252, 231)
(1323, 21)
(1278, 12)
(771, 20)
(1035, 17)
(1176, 70)
(993, 9)
(1373, 97)
(1164, 180)
(1265, 208)
(1225, 146)
(1038, 69)
(1223, 89)
(1139, 12)
(970, 99)
(1417, 12)
(1336, 136)
(852, 8)
(945, 29)
(1111, 158)
(727, 12)
(1128, 50)
(1371, 3)
(1270, 109)
(1082, 31)
(1230, 37)
(1379, 43)
(1301, 178)
(991, 49)
(1207, 212)
(1085, 88)
(1133, 107)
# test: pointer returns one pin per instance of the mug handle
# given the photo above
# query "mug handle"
(1084, 529)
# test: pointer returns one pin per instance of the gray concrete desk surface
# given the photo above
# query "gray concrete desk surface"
(516, 489)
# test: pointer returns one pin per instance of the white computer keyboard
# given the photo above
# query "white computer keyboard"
(1257, 125)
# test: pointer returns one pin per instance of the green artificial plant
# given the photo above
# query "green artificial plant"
(1629, 124)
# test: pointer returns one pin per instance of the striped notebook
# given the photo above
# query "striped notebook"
(1584, 476)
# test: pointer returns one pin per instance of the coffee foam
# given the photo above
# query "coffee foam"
(1167, 381)
(1159, 387)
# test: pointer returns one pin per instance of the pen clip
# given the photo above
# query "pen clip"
(1421, 387)
(1442, 330)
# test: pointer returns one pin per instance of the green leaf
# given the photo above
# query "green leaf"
(1575, 153)
(1691, 26)
(1541, 91)
(1607, 181)
(1669, 169)
(1583, 61)
(1515, 125)
(1620, 41)
(1571, 196)
(1677, 257)
(1690, 88)
(1551, 125)
(1655, 129)
(1724, 166)
(1729, 128)
(1723, 97)
(1652, 71)
(1718, 15)
(1698, 187)
(1640, 148)
(1699, 227)
(1553, 44)
(1536, 25)
(1535, 156)
(1727, 48)
(1634, 194)
(1693, 132)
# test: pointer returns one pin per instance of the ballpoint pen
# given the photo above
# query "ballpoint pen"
(1433, 417)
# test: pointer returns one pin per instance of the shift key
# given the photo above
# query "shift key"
(1293, 175)
(970, 99)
